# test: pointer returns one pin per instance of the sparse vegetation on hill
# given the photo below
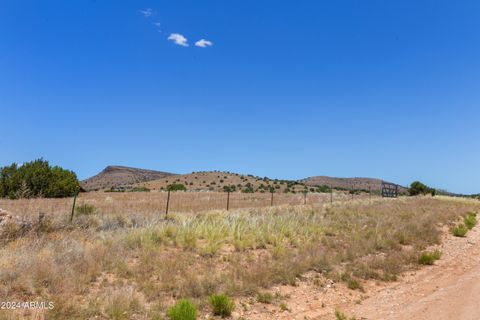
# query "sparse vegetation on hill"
(37, 179)
(226, 181)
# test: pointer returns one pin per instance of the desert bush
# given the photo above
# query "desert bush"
(470, 220)
(45, 223)
(122, 305)
(183, 310)
(85, 209)
(339, 315)
(417, 188)
(10, 231)
(176, 187)
(37, 179)
(140, 189)
(265, 297)
(460, 230)
(222, 305)
(429, 258)
(231, 188)
(352, 283)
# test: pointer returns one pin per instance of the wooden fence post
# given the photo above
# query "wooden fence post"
(331, 194)
(304, 198)
(271, 199)
(73, 206)
(168, 203)
(228, 199)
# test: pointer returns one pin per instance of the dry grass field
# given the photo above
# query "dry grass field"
(120, 259)
(153, 204)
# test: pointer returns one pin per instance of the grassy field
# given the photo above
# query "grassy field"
(124, 261)
(151, 204)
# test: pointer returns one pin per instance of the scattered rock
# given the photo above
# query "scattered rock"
(5, 217)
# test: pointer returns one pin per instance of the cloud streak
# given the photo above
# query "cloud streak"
(202, 43)
(178, 39)
(147, 13)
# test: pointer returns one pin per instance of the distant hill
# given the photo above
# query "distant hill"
(118, 176)
(347, 183)
(217, 181)
(129, 178)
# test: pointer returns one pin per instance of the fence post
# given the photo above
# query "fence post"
(370, 193)
(352, 191)
(168, 202)
(228, 199)
(331, 194)
(271, 199)
(304, 198)
(73, 206)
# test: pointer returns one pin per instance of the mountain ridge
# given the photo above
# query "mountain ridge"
(114, 176)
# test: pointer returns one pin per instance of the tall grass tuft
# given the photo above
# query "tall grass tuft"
(460, 230)
(470, 220)
(429, 258)
(222, 305)
(183, 310)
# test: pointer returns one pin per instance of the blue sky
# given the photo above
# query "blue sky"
(285, 89)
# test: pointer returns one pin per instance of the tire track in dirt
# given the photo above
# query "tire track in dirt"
(448, 290)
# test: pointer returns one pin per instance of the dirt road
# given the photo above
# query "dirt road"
(448, 290)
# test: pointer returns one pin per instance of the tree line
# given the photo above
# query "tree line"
(37, 179)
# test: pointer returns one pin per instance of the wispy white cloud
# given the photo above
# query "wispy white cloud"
(147, 13)
(157, 24)
(179, 39)
(202, 43)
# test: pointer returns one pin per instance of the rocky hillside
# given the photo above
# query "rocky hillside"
(219, 181)
(118, 176)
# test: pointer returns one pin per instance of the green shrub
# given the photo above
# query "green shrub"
(85, 209)
(182, 310)
(266, 297)
(418, 188)
(176, 187)
(222, 305)
(231, 188)
(460, 231)
(339, 315)
(470, 220)
(140, 189)
(354, 285)
(37, 179)
(429, 258)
